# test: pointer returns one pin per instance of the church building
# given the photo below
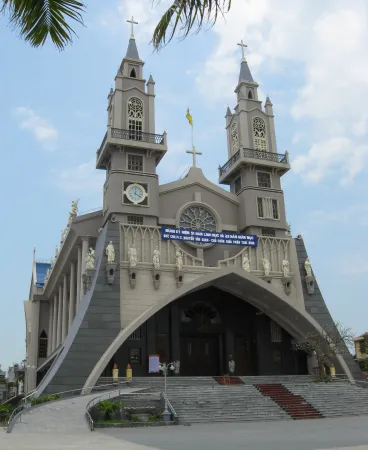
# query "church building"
(192, 273)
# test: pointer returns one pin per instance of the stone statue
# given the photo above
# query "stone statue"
(56, 253)
(74, 211)
(266, 266)
(177, 368)
(110, 253)
(64, 234)
(132, 255)
(90, 259)
(47, 276)
(20, 387)
(308, 267)
(179, 259)
(246, 263)
(231, 366)
(286, 267)
(156, 258)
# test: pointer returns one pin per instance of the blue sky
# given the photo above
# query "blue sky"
(310, 58)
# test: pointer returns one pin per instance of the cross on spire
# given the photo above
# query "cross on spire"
(194, 153)
(242, 45)
(132, 25)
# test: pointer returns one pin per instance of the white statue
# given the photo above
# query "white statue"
(266, 266)
(156, 258)
(110, 253)
(20, 387)
(177, 368)
(286, 267)
(74, 211)
(246, 263)
(132, 255)
(90, 259)
(288, 232)
(179, 259)
(231, 365)
(47, 276)
(308, 267)
(56, 253)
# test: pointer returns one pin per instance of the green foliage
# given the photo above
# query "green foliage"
(36, 20)
(5, 412)
(155, 417)
(135, 418)
(108, 408)
(324, 379)
(45, 399)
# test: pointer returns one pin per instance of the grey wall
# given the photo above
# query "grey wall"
(316, 306)
(95, 326)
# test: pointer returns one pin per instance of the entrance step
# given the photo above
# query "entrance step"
(228, 380)
(295, 405)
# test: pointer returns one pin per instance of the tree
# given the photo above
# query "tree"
(327, 344)
(36, 20)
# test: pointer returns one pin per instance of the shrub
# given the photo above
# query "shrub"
(108, 408)
(155, 417)
(135, 418)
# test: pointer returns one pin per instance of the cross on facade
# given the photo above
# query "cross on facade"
(132, 25)
(194, 154)
(242, 45)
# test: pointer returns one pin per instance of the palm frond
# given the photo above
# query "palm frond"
(183, 15)
(36, 20)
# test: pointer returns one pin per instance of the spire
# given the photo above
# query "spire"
(228, 112)
(150, 79)
(245, 74)
(132, 51)
(268, 101)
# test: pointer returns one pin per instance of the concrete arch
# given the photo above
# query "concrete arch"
(239, 283)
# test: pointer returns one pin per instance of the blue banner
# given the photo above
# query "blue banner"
(208, 237)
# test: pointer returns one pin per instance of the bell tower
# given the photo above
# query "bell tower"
(130, 150)
(254, 168)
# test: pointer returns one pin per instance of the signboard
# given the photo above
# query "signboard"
(208, 237)
(153, 363)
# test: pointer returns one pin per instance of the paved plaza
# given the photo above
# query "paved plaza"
(341, 433)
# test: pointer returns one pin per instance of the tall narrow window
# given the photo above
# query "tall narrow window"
(250, 95)
(133, 73)
(136, 335)
(268, 208)
(42, 345)
(135, 162)
(135, 117)
(259, 134)
(264, 179)
(234, 138)
(276, 332)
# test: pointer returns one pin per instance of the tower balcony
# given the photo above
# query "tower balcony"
(248, 156)
(116, 137)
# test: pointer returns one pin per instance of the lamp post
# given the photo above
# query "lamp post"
(164, 368)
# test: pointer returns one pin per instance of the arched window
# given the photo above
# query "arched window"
(135, 117)
(234, 138)
(42, 345)
(250, 95)
(133, 73)
(259, 134)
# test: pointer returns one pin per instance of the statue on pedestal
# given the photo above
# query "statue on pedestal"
(132, 255)
(74, 211)
(179, 259)
(246, 263)
(56, 253)
(20, 387)
(110, 253)
(90, 259)
(266, 266)
(286, 267)
(231, 366)
(156, 258)
(177, 368)
(308, 267)
(47, 276)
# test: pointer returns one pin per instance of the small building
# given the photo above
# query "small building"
(361, 351)
(3, 386)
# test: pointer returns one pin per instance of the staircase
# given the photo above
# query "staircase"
(226, 381)
(293, 404)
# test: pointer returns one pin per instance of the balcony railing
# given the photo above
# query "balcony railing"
(133, 135)
(255, 154)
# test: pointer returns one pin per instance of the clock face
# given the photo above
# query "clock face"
(135, 193)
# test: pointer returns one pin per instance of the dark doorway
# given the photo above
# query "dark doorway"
(199, 355)
(245, 356)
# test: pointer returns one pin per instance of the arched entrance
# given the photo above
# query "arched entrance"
(204, 330)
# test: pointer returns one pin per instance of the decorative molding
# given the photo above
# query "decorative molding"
(156, 277)
(132, 276)
(87, 278)
(179, 276)
(286, 282)
(310, 282)
(110, 272)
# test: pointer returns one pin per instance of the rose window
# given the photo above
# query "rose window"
(135, 108)
(197, 218)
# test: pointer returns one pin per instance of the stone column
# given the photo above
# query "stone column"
(54, 322)
(65, 309)
(79, 273)
(59, 316)
(72, 294)
(49, 334)
(32, 358)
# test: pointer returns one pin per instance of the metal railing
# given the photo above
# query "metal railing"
(254, 154)
(165, 400)
(27, 400)
(94, 402)
(132, 135)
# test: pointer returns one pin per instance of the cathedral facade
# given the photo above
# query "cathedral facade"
(121, 291)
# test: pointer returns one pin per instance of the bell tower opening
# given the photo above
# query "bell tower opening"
(133, 73)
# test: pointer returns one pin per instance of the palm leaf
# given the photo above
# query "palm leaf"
(38, 19)
(182, 16)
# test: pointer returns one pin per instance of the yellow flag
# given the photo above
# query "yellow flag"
(189, 117)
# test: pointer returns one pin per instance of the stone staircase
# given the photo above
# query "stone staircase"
(295, 405)
(333, 399)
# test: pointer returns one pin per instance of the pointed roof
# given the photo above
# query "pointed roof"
(228, 112)
(268, 101)
(150, 79)
(245, 74)
(132, 51)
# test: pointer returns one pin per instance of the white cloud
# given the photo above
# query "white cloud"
(41, 129)
(83, 179)
(357, 213)
(325, 42)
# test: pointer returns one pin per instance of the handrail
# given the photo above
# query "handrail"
(171, 408)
